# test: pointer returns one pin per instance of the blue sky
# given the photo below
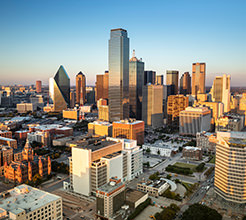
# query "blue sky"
(37, 36)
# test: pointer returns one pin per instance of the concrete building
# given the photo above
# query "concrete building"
(102, 86)
(129, 129)
(80, 88)
(230, 166)
(110, 198)
(230, 122)
(159, 79)
(102, 159)
(153, 188)
(134, 198)
(160, 149)
(193, 120)
(221, 91)
(152, 108)
(198, 78)
(6, 134)
(9, 142)
(176, 104)
(185, 84)
(72, 99)
(192, 153)
(26, 107)
(206, 141)
(40, 137)
(25, 202)
(100, 128)
(73, 114)
(173, 79)
(38, 86)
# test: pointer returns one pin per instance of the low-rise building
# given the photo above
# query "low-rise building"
(153, 188)
(9, 142)
(72, 114)
(6, 134)
(134, 198)
(100, 128)
(230, 122)
(26, 202)
(192, 153)
(161, 149)
(26, 107)
(206, 141)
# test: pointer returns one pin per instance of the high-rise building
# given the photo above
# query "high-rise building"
(59, 89)
(185, 84)
(102, 86)
(118, 75)
(38, 86)
(176, 104)
(80, 88)
(159, 80)
(173, 79)
(193, 120)
(221, 91)
(129, 129)
(198, 78)
(230, 166)
(136, 82)
(149, 77)
(72, 99)
(26, 202)
(152, 108)
(103, 109)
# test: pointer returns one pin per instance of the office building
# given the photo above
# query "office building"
(129, 129)
(103, 110)
(102, 86)
(26, 107)
(193, 120)
(230, 122)
(80, 88)
(198, 78)
(152, 110)
(38, 86)
(102, 159)
(242, 106)
(221, 91)
(230, 166)
(110, 198)
(149, 77)
(192, 153)
(185, 84)
(59, 89)
(159, 80)
(100, 128)
(176, 104)
(90, 95)
(72, 114)
(8, 142)
(72, 99)
(136, 82)
(26, 202)
(118, 75)
(173, 79)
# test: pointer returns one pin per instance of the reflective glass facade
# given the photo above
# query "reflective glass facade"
(173, 79)
(118, 75)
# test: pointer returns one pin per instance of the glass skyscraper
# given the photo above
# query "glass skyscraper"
(136, 83)
(59, 89)
(118, 75)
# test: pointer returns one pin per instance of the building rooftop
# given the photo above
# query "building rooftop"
(111, 186)
(134, 195)
(128, 121)
(105, 123)
(6, 139)
(25, 198)
(155, 184)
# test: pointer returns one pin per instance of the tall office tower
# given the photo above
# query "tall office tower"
(80, 88)
(198, 78)
(72, 99)
(185, 84)
(230, 166)
(221, 91)
(38, 86)
(102, 86)
(118, 93)
(176, 104)
(149, 77)
(136, 82)
(152, 110)
(159, 80)
(173, 79)
(59, 89)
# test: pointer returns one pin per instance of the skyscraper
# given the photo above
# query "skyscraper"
(159, 80)
(185, 84)
(118, 75)
(102, 86)
(59, 89)
(80, 88)
(136, 82)
(149, 77)
(72, 99)
(38, 86)
(198, 78)
(173, 79)
(221, 91)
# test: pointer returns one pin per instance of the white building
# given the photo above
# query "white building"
(160, 149)
(96, 159)
(27, 203)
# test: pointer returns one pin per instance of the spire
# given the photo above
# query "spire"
(133, 53)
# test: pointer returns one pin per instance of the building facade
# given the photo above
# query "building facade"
(102, 86)
(80, 88)
(198, 78)
(185, 84)
(173, 79)
(149, 77)
(38, 86)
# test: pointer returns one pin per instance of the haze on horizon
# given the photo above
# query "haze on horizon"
(38, 36)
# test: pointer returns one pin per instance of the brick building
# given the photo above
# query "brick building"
(192, 153)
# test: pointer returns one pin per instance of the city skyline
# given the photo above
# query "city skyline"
(31, 48)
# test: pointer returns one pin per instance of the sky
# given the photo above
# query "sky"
(36, 37)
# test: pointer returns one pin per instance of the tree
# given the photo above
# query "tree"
(147, 150)
(200, 167)
(158, 152)
(198, 211)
